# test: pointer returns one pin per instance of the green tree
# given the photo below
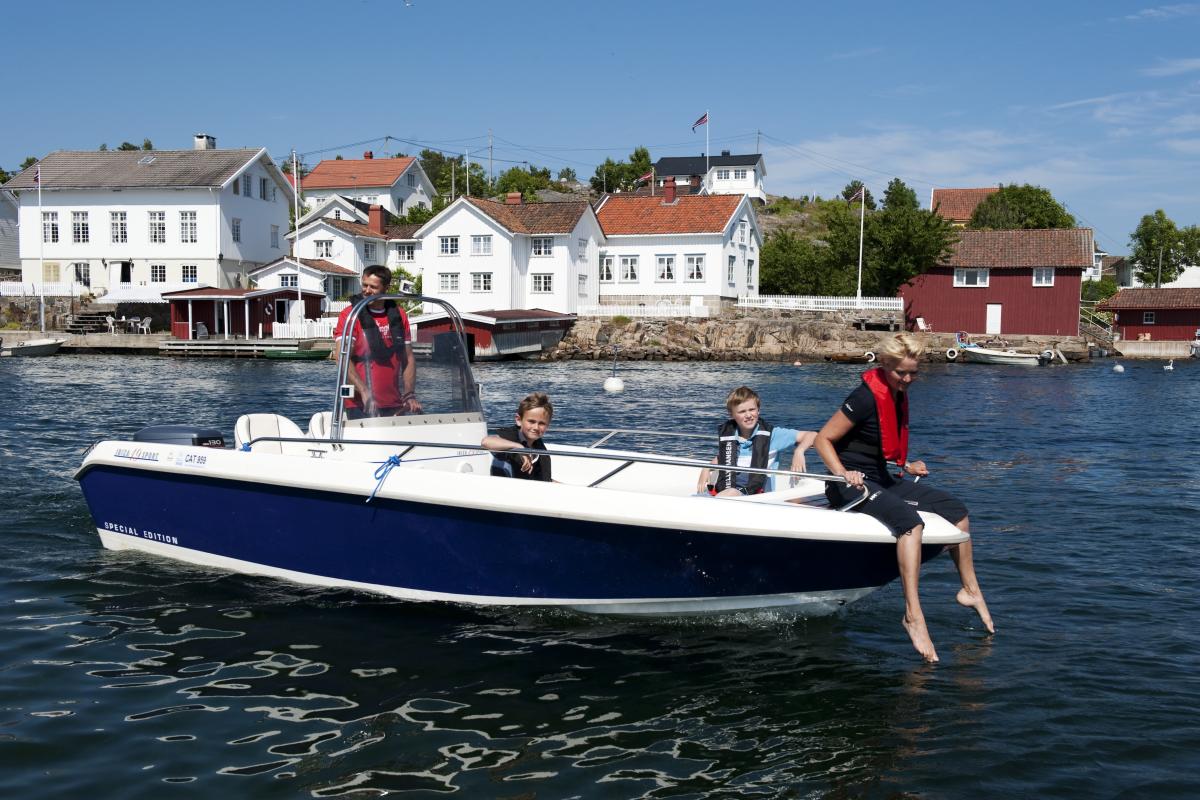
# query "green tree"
(4, 175)
(527, 182)
(613, 175)
(566, 175)
(128, 146)
(29, 162)
(1094, 291)
(899, 195)
(1161, 250)
(851, 191)
(902, 241)
(147, 144)
(103, 147)
(1013, 207)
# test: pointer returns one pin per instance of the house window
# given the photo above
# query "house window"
(235, 229)
(324, 248)
(448, 245)
(368, 251)
(629, 268)
(481, 281)
(971, 277)
(189, 273)
(1043, 276)
(666, 268)
(118, 227)
(543, 283)
(158, 273)
(80, 231)
(742, 231)
(289, 281)
(749, 271)
(263, 194)
(583, 286)
(246, 186)
(448, 281)
(83, 273)
(412, 179)
(481, 245)
(581, 250)
(50, 226)
(187, 226)
(606, 269)
(337, 213)
(158, 227)
(695, 268)
(275, 236)
(722, 174)
(50, 272)
(543, 245)
(1147, 317)
(406, 252)
(739, 174)
(729, 270)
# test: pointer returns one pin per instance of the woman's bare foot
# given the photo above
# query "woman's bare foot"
(975, 600)
(920, 638)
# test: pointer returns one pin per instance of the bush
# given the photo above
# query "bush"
(621, 319)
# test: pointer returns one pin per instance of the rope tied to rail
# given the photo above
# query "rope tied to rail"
(381, 473)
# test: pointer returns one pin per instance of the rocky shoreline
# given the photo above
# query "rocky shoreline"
(760, 336)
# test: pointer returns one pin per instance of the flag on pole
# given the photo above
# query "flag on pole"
(702, 121)
(857, 195)
(648, 176)
(37, 175)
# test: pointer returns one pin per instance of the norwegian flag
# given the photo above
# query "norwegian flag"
(648, 176)
(702, 121)
(857, 195)
(37, 175)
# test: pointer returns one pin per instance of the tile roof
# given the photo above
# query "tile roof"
(1062, 247)
(353, 228)
(123, 169)
(959, 204)
(355, 173)
(533, 218)
(403, 231)
(630, 215)
(322, 265)
(1151, 299)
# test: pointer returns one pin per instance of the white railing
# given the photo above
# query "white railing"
(309, 329)
(58, 289)
(805, 303)
(656, 310)
(337, 306)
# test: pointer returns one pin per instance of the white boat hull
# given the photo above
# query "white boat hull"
(986, 355)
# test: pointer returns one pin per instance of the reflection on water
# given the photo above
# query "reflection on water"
(123, 675)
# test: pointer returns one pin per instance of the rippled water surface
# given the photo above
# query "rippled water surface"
(125, 676)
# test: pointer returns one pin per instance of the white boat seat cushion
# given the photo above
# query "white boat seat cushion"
(252, 426)
(318, 426)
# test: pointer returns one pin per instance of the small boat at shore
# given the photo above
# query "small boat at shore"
(297, 355)
(406, 506)
(970, 351)
(32, 347)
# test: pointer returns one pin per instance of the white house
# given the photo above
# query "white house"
(353, 235)
(138, 223)
(723, 174)
(397, 184)
(482, 255)
(691, 249)
(10, 260)
(315, 275)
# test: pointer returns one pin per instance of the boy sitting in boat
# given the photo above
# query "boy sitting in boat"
(748, 440)
(533, 418)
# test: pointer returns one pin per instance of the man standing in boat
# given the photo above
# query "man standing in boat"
(384, 373)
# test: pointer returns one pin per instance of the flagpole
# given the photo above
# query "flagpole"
(862, 216)
(41, 255)
(296, 238)
(707, 125)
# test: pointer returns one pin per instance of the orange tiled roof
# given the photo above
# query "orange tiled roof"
(958, 205)
(630, 215)
(1061, 247)
(533, 217)
(355, 173)
(1151, 299)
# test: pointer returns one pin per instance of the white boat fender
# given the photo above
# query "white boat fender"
(614, 384)
(870, 356)
(952, 354)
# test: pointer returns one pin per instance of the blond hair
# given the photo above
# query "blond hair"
(900, 347)
(739, 396)
(536, 400)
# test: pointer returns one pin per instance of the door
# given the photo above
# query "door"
(993, 319)
(126, 272)
(281, 310)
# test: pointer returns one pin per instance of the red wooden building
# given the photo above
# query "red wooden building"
(1160, 315)
(495, 335)
(1023, 282)
(233, 312)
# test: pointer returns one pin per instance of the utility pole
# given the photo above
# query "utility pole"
(491, 179)
(757, 138)
(452, 187)
(1158, 281)
(467, 167)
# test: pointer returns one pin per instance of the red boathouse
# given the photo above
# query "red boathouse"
(1159, 315)
(234, 312)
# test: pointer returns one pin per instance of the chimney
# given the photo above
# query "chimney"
(375, 219)
(724, 152)
(370, 154)
(669, 191)
(202, 141)
(512, 199)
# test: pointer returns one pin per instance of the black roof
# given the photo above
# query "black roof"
(694, 165)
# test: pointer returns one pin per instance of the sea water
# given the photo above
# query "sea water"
(127, 676)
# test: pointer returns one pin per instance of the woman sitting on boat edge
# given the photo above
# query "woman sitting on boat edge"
(858, 442)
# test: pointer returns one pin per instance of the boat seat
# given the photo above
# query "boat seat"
(251, 426)
(319, 425)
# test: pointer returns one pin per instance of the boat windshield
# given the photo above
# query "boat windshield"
(385, 370)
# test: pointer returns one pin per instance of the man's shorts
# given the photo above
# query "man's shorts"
(897, 505)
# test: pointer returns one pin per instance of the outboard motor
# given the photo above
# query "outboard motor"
(185, 435)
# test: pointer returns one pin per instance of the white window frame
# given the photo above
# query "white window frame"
(448, 246)
(262, 189)
(247, 186)
(158, 227)
(481, 245)
(542, 246)
(629, 269)
(158, 273)
(289, 281)
(235, 229)
(275, 237)
(368, 251)
(50, 227)
(739, 174)
(481, 281)
(406, 252)
(693, 267)
(749, 272)
(81, 230)
(447, 281)
(82, 272)
(412, 179)
(583, 282)
(1043, 276)
(1148, 318)
(665, 268)
(581, 254)
(980, 274)
(542, 282)
(324, 248)
(189, 277)
(118, 227)
(730, 278)
(722, 174)
(187, 227)
(607, 261)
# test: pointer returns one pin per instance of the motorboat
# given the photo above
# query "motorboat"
(32, 347)
(406, 506)
(969, 351)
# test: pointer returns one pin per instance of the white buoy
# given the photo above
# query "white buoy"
(1170, 365)
(1118, 368)
(614, 384)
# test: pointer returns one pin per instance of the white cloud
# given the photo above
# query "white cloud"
(1187, 147)
(1159, 13)
(1173, 66)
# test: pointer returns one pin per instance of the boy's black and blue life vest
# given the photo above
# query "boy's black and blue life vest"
(760, 454)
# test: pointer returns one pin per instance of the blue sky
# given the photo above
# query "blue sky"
(1095, 101)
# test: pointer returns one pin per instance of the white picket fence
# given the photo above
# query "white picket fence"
(803, 303)
(61, 289)
(657, 310)
(309, 329)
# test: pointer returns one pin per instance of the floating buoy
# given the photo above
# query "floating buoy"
(1118, 368)
(869, 356)
(952, 354)
(614, 384)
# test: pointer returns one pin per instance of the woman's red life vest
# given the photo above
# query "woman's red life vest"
(893, 437)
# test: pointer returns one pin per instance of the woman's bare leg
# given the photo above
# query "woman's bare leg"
(970, 595)
(908, 554)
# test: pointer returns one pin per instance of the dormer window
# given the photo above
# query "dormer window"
(722, 174)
